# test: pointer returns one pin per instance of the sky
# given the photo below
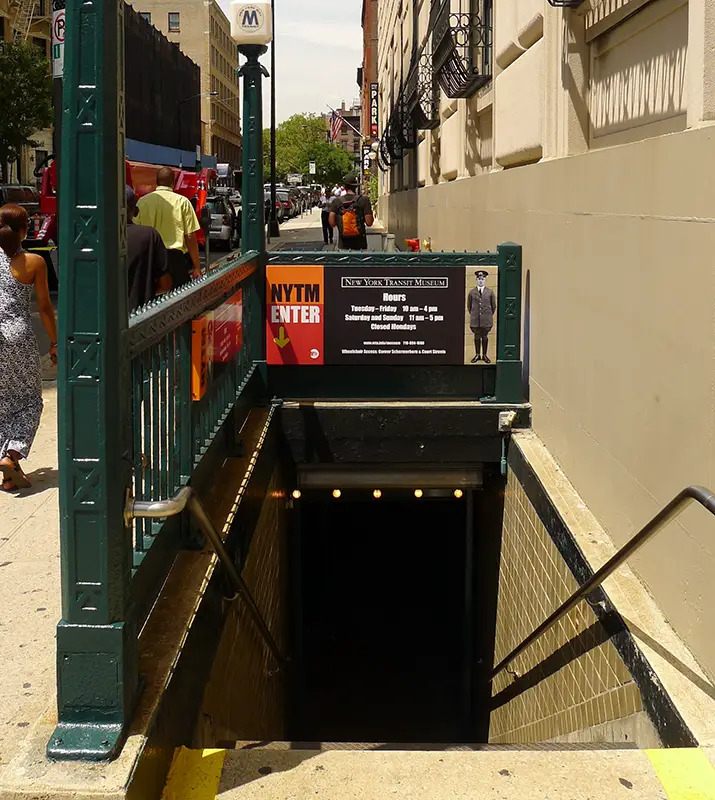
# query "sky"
(318, 52)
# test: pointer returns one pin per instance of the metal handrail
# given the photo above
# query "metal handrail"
(187, 498)
(700, 494)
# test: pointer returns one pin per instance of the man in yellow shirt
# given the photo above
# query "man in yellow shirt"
(174, 218)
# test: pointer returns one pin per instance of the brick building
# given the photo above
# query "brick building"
(203, 32)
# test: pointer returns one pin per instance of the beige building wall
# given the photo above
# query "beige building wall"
(592, 148)
(204, 35)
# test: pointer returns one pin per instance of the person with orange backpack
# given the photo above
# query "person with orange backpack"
(351, 214)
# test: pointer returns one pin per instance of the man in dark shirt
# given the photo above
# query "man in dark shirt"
(355, 208)
(147, 261)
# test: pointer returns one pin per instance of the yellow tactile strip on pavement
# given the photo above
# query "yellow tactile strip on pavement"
(194, 774)
(685, 773)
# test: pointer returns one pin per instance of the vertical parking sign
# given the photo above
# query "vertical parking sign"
(58, 38)
(374, 109)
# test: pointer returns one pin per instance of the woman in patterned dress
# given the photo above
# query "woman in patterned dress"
(20, 373)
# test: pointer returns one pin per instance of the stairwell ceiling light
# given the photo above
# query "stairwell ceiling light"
(418, 493)
(458, 493)
(336, 493)
(377, 494)
(296, 494)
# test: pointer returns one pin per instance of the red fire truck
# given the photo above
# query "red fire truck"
(141, 177)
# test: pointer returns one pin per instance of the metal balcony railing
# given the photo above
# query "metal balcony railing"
(421, 91)
(462, 43)
(405, 124)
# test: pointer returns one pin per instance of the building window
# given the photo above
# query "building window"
(174, 26)
(146, 15)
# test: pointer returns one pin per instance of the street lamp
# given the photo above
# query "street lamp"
(181, 103)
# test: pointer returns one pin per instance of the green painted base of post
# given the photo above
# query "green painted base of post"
(509, 382)
(509, 366)
(97, 690)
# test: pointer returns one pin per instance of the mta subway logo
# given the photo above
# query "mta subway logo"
(251, 18)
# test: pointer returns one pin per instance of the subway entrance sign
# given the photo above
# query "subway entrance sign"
(294, 315)
(434, 313)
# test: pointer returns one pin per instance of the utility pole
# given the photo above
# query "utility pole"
(273, 227)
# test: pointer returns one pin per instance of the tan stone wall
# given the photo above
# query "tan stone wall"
(589, 684)
(622, 390)
(616, 219)
(245, 696)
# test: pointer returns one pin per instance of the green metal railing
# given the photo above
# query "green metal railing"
(163, 438)
(170, 432)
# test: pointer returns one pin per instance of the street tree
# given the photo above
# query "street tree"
(26, 87)
(301, 139)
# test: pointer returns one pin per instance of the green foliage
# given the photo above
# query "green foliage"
(26, 89)
(373, 188)
(300, 140)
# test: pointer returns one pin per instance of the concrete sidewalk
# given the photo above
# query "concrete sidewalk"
(306, 233)
(30, 588)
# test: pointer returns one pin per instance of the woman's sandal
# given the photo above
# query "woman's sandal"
(12, 472)
(8, 486)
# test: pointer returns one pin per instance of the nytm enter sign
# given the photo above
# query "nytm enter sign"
(294, 322)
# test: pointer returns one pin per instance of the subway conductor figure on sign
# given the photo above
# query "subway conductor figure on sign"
(481, 305)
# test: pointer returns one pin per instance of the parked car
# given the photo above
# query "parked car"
(290, 208)
(280, 214)
(222, 232)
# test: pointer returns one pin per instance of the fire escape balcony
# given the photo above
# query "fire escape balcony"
(462, 42)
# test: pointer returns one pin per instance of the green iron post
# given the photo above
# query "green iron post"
(252, 71)
(97, 667)
(509, 366)
(253, 225)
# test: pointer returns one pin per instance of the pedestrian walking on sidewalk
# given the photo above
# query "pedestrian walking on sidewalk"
(325, 217)
(174, 217)
(20, 371)
(352, 215)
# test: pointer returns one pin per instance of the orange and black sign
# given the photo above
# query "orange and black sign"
(294, 314)
(202, 331)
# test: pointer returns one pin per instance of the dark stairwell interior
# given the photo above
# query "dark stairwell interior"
(394, 600)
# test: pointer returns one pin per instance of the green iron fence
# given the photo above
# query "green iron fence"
(165, 435)
(171, 432)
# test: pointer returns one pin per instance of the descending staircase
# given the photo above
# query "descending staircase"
(297, 771)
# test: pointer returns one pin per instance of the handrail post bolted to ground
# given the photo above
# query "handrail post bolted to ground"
(97, 667)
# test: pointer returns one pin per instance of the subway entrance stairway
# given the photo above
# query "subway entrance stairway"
(403, 583)
(325, 579)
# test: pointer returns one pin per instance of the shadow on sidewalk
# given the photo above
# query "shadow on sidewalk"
(43, 478)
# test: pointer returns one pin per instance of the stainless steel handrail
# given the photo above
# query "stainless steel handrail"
(700, 494)
(186, 498)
